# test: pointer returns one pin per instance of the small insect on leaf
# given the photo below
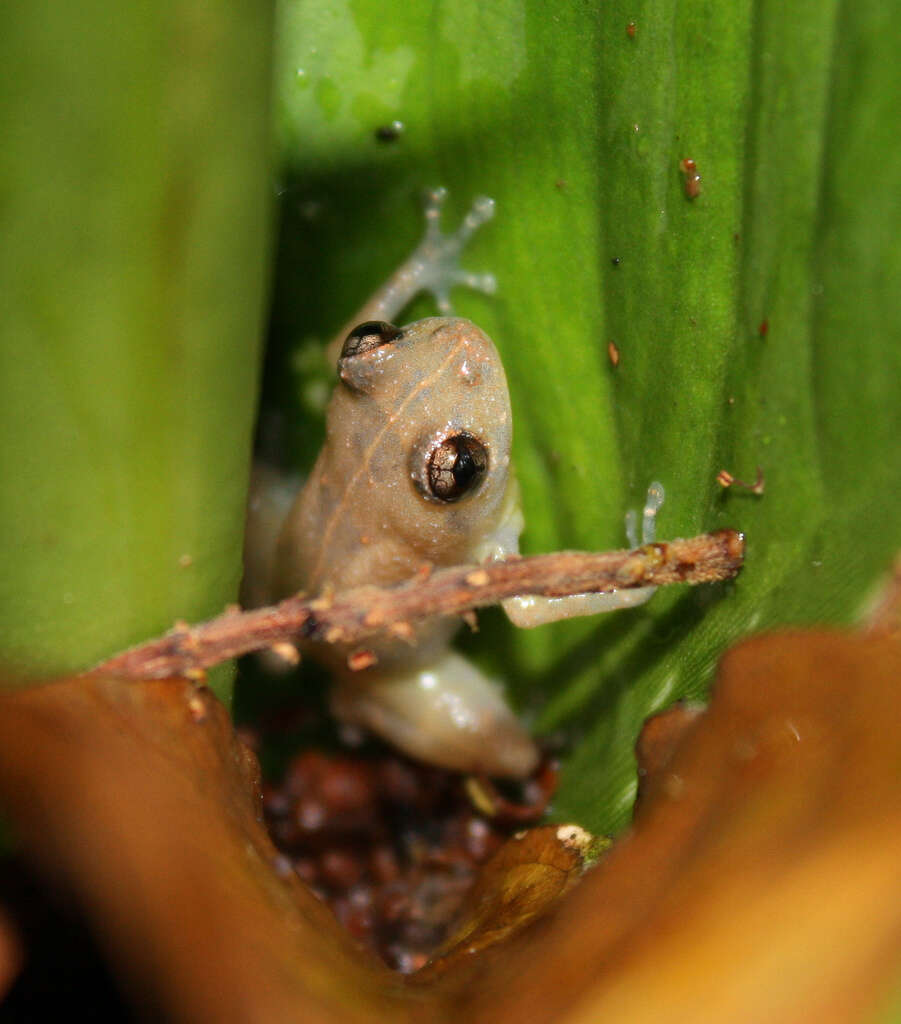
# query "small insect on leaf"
(691, 177)
(725, 479)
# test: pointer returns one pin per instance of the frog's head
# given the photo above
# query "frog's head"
(429, 406)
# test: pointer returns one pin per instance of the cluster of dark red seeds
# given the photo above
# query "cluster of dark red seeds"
(392, 845)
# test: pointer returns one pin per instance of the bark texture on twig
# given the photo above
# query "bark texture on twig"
(353, 616)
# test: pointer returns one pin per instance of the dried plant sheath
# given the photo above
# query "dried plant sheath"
(355, 615)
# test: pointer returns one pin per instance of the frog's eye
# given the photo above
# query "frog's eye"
(369, 336)
(455, 466)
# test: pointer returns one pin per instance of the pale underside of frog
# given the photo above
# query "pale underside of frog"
(415, 470)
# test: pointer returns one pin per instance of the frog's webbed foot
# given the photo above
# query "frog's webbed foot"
(433, 267)
(652, 504)
(435, 263)
(447, 714)
(535, 611)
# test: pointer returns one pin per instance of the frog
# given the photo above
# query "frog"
(415, 471)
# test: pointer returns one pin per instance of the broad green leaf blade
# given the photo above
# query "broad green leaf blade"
(757, 324)
(135, 176)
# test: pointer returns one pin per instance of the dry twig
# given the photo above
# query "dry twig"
(355, 615)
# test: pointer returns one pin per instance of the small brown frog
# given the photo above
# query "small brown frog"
(416, 469)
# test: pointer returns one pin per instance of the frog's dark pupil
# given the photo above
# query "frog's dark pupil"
(455, 466)
(465, 468)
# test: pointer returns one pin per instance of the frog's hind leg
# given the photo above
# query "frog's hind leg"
(448, 714)
(531, 611)
(433, 266)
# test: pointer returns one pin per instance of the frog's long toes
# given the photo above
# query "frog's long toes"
(434, 200)
(442, 301)
(432, 206)
(486, 283)
(435, 265)
(481, 210)
(652, 503)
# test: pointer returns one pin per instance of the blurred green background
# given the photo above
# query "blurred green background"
(757, 325)
(136, 195)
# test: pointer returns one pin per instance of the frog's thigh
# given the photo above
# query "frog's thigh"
(529, 611)
(448, 714)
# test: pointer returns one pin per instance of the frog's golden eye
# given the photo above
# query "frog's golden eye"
(455, 466)
(368, 336)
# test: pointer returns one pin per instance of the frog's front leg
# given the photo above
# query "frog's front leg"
(531, 610)
(432, 267)
(446, 713)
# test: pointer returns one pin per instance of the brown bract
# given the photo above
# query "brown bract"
(11, 953)
(759, 882)
(152, 815)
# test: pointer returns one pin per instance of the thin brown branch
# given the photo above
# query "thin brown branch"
(353, 616)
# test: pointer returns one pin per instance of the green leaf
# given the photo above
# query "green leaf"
(134, 171)
(757, 324)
